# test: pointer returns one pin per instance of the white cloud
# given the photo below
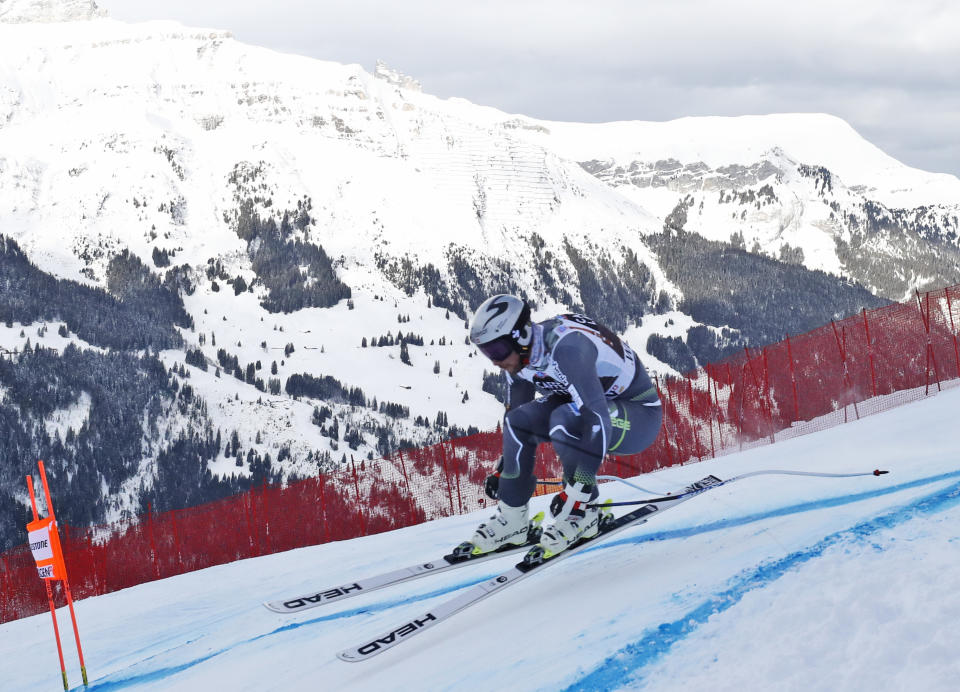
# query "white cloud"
(888, 67)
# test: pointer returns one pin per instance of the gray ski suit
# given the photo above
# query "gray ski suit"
(598, 399)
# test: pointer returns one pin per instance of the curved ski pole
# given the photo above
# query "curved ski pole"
(626, 482)
(605, 478)
(770, 472)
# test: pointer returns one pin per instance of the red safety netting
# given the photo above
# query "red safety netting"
(842, 371)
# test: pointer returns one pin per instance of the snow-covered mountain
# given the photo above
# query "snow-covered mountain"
(169, 190)
(805, 188)
(23, 11)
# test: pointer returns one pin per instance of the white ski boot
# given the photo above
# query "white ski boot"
(574, 519)
(507, 527)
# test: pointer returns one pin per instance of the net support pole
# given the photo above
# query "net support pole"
(953, 332)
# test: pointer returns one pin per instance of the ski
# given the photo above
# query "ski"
(532, 563)
(459, 557)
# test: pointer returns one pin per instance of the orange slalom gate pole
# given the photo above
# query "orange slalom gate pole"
(53, 609)
(66, 580)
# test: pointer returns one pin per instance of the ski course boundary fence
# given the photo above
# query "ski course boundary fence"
(863, 364)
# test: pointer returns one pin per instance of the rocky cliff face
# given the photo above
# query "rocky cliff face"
(804, 214)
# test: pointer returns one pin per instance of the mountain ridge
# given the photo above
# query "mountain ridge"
(46, 11)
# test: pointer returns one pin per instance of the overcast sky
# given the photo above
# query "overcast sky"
(889, 68)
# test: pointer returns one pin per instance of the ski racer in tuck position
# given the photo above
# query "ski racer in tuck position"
(598, 398)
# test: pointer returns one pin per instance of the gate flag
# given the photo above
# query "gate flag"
(45, 546)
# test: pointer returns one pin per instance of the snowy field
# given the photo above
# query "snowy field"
(770, 583)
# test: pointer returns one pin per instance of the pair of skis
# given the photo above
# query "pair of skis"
(448, 562)
(532, 562)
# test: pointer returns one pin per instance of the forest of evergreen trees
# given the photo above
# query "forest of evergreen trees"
(129, 393)
(105, 450)
(140, 290)
(278, 259)
(762, 298)
(615, 291)
(933, 259)
(143, 316)
(129, 396)
(325, 388)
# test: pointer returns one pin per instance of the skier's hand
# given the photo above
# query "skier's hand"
(491, 486)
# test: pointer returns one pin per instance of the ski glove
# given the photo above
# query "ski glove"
(491, 486)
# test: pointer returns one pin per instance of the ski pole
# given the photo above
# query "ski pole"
(625, 482)
(771, 472)
(603, 478)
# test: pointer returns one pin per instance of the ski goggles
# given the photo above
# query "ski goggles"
(498, 349)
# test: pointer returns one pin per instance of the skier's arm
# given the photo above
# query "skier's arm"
(519, 391)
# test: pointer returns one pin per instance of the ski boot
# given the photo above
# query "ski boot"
(606, 516)
(507, 528)
(574, 520)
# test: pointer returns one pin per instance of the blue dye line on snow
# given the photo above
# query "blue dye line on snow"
(118, 681)
(621, 668)
(773, 513)
(122, 681)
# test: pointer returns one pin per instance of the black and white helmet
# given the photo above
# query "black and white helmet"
(501, 326)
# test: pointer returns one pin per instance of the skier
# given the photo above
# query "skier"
(598, 399)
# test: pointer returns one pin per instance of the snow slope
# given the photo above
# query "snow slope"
(775, 582)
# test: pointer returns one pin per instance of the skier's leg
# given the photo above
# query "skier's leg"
(635, 426)
(580, 450)
(523, 429)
